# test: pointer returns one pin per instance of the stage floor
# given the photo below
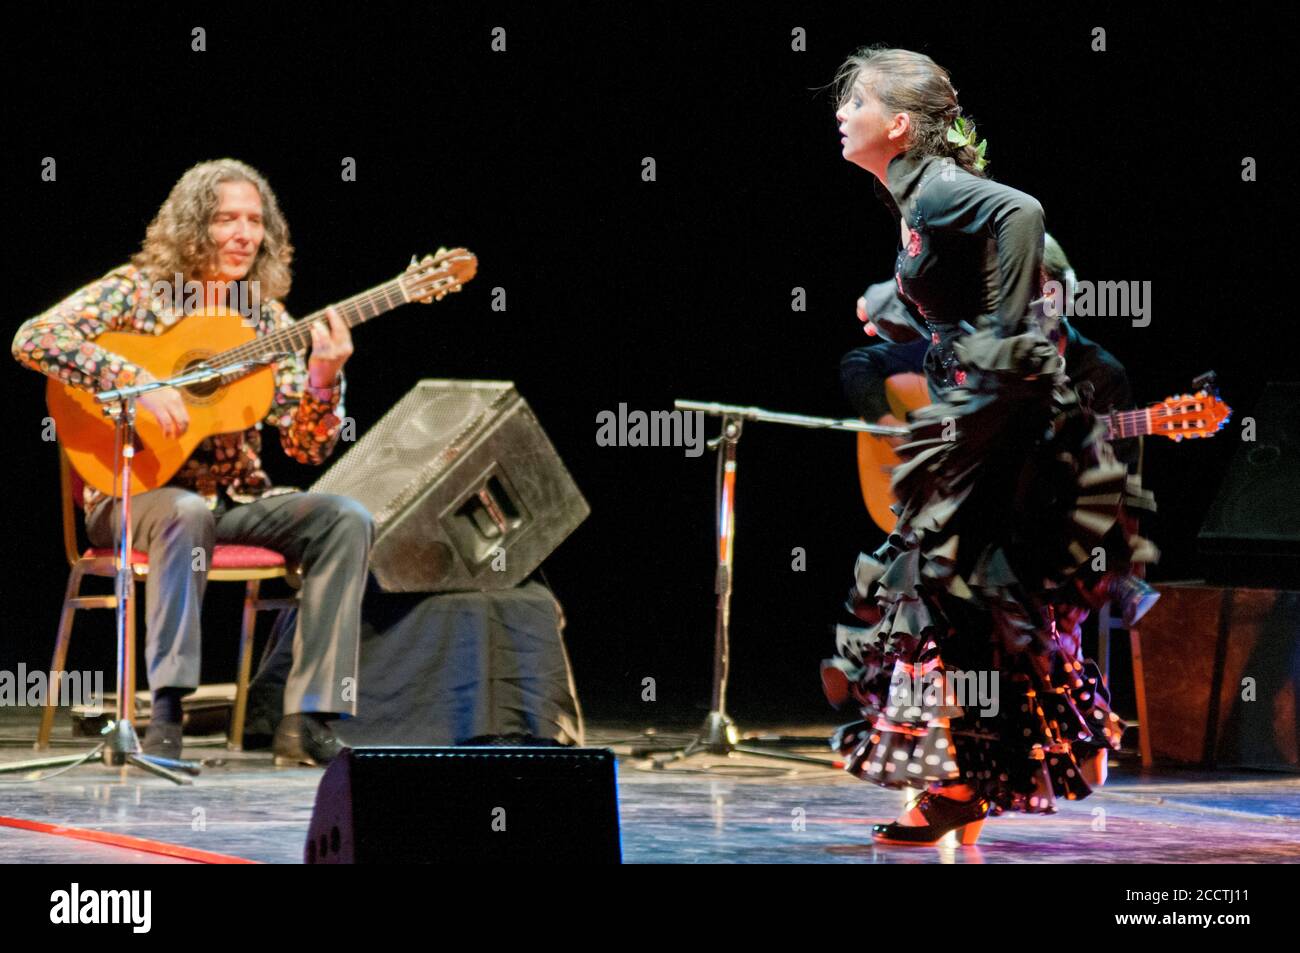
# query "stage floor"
(748, 810)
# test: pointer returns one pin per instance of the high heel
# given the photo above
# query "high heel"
(970, 833)
(944, 815)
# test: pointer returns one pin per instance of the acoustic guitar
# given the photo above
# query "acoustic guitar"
(1201, 414)
(214, 338)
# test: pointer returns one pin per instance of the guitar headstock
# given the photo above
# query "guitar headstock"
(1190, 415)
(435, 276)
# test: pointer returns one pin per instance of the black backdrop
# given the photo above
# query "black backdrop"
(620, 290)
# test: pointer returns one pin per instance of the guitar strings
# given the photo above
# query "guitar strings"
(380, 299)
(352, 310)
(1135, 418)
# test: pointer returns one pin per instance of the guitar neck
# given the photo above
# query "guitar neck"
(1124, 424)
(297, 336)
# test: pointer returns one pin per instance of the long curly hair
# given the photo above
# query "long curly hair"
(177, 239)
(912, 83)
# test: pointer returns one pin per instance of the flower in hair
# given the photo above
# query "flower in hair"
(961, 135)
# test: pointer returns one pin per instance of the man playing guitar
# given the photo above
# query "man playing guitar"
(221, 226)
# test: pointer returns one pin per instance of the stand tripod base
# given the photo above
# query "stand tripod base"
(721, 737)
(122, 748)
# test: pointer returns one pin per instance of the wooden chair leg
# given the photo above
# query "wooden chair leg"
(235, 742)
(60, 659)
(1140, 689)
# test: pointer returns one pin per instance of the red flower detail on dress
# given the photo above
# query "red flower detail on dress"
(934, 337)
(960, 377)
(914, 243)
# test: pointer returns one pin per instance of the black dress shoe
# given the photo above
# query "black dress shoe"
(943, 814)
(303, 738)
(164, 739)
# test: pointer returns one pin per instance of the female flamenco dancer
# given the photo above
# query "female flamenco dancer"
(1010, 500)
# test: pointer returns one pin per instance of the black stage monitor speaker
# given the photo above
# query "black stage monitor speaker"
(466, 490)
(491, 805)
(1252, 533)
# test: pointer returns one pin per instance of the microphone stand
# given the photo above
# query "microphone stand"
(720, 736)
(121, 746)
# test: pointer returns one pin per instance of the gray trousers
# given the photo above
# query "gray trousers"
(329, 536)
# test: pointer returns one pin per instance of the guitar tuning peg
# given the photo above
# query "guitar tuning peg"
(414, 261)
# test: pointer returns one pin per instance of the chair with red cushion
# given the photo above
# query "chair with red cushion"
(230, 563)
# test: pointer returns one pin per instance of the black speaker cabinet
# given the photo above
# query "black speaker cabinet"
(466, 490)
(1251, 535)
(466, 805)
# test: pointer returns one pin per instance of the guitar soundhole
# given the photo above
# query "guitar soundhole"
(199, 393)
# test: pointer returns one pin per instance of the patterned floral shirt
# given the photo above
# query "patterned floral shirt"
(61, 344)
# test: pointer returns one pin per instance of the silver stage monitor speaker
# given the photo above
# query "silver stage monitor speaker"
(466, 490)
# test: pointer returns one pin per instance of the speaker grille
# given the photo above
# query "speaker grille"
(465, 489)
(414, 444)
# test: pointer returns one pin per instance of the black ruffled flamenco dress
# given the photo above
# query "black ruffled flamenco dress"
(1008, 495)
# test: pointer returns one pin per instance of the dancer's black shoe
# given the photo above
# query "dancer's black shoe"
(944, 814)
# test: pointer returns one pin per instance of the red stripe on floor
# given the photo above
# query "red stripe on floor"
(125, 840)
